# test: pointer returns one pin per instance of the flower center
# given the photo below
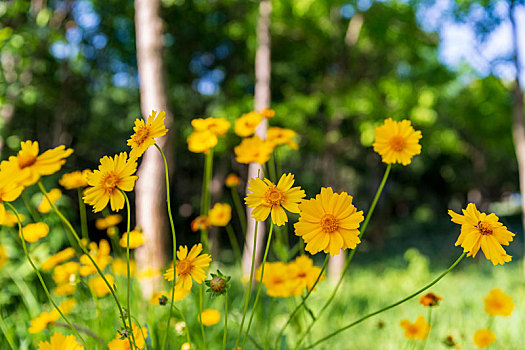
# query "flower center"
(26, 160)
(273, 196)
(301, 275)
(141, 135)
(397, 143)
(110, 180)
(329, 223)
(484, 228)
(184, 267)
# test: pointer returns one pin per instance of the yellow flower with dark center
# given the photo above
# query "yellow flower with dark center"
(201, 222)
(123, 344)
(277, 279)
(99, 287)
(33, 232)
(266, 198)
(497, 303)
(479, 230)
(156, 296)
(101, 256)
(60, 342)
(329, 223)
(267, 113)
(253, 150)
(232, 180)
(4, 257)
(108, 221)
(430, 299)
(220, 214)
(75, 179)
(397, 142)
(189, 266)
(120, 267)
(66, 272)
(53, 195)
(303, 274)
(217, 126)
(146, 132)
(280, 136)
(417, 330)
(136, 239)
(58, 258)
(483, 338)
(113, 174)
(209, 317)
(247, 123)
(202, 141)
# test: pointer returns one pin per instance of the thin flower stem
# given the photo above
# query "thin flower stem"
(436, 280)
(200, 315)
(4, 328)
(259, 287)
(248, 294)
(298, 307)
(26, 252)
(174, 239)
(86, 252)
(206, 195)
(141, 332)
(239, 209)
(234, 242)
(225, 320)
(83, 219)
(352, 253)
(128, 228)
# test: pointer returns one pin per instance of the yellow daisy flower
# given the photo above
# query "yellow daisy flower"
(53, 196)
(189, 266)
(430, 299)
(60, 342)
(113, 174)
(247, 123)
(209, 317)
(220, 214)
(266, 198)
(479, 230)
(497, 303)
(483, 338)
(99, 287)
(33, 232)
(329, 223)
(202, 141)
(280, 136)
(75, 179)
(136, 239)
(397, 142)
(217, 126)
(253, 150)
(232, 180)
(145, 132)
(303, 274)
(123, 344)
(277, 279)
(58, 258)
(417, 330)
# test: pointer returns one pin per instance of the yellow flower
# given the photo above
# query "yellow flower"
(136, 239)
(417, 330)
(53, 195)
(8, 218)
(397, 142)
(253, 150)
(40, 323)
(278, 136)
(29, 166)
(329, 223)
(209, 317)
(247, 123)
(99, 287)
(120, 267)
(266, 198)
(66, 272)
(145, 132)
(497, 303)
(75, 179)
(220, 214)
(33, 232)
(276, 279)
(479, 230)
(267, 113)
(108, 221)
(65, 289)
(60, 342)
(232, 180)
(123, 344)
(4, 257)
(185, 346)
(113, 174)
(202, 141)
(101, 256)
(303, 274)
(58, 258)
(156, 296)
(217, 126)
(190, 265)
(430, 299)
(10, 189)
(484, 338)
(201, 222)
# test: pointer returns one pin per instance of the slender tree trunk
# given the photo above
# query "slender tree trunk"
(150, 191)
(262, 100)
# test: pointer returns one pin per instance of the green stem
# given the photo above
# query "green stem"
(225, 320)
(206, 195)
(141, 332)
(239, 209)
(352, 253)
(436, 280)
(234, 242)
(83, 219)
(27, 202)
(174, 239)
(259, 287)
(4, 328)
(248, 294)
(200, 315)
(24, 246)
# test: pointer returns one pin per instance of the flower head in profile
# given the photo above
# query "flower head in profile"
(417, 330)
(58, 258)
(497, 303)
(279, 136)
(397, 142)
(479, 230)
(146, 132)
(53, 195)
(220, 214)
(76, 179)
(122, 343)
(201, 222)
(483, 338)
(99, 287)
(217, 126)
(108, 221)
(232, 180)
(430, 299)
(247, 123)
(136, 239)
(329, 222)
(113, 174)
(267, 113)
(202, 141)
(303, 274)
(253, 150)
(58, 341)
(190, 266)
(209, 317)
(33, 232)
(266, 198)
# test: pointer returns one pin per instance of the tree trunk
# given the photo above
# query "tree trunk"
(261, 100)
(150, 191)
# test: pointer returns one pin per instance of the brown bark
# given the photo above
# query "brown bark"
(150, 191)
(261, 100)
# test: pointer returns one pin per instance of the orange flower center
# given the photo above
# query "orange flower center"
(110, 180)
(397, 143)
(301, 274)
(26, 160)
(484, 228)
(184, 267)
(329, 223)
(141, 135)
(273, 196)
